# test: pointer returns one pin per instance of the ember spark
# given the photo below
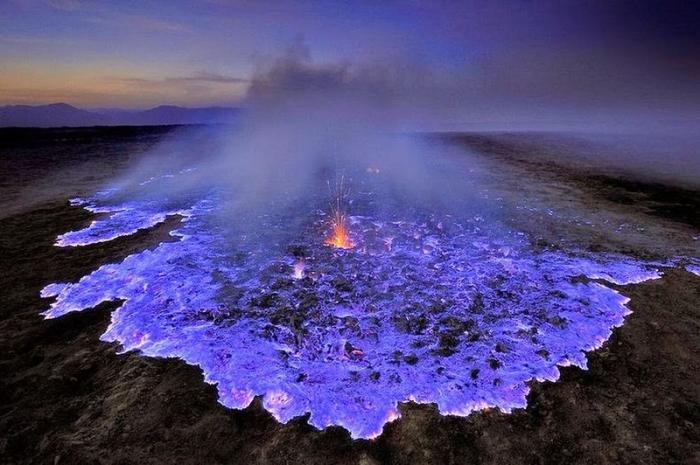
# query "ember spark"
(340, 237)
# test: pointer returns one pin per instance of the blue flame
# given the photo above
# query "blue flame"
(435, 310)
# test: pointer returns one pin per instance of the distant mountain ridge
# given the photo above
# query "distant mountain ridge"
(65, 115)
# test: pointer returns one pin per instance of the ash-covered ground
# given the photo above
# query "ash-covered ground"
(69, 398)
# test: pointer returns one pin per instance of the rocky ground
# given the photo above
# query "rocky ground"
(66, 397)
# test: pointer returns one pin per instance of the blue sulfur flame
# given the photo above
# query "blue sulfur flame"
(431, 310)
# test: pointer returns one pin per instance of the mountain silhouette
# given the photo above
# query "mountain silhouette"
(65, 115)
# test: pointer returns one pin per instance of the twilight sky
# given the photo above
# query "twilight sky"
(468, 61)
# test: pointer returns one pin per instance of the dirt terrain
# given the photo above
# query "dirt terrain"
(66, 397)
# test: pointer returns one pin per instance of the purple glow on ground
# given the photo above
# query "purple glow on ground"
(455, 313)
(123, 221)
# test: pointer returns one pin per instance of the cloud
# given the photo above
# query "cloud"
(115, 19)
(59, 5)
(65, 5)
(197, 78)
(153, 24)
(395, 92)
(572, 86)
(107, 14)
(202, 88)
(23, 40)
(294, 72)
(210, 77)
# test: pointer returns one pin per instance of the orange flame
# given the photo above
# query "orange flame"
(340, 237)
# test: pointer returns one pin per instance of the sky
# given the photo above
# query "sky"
(470, 61)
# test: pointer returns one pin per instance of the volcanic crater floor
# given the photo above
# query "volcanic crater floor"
(69, 398)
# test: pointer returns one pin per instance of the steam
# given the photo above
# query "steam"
(305, 126)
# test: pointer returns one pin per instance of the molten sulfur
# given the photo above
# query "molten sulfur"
(340, 237)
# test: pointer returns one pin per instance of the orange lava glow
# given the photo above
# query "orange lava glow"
(339, 237)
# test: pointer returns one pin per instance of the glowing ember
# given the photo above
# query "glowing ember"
(340, 237)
